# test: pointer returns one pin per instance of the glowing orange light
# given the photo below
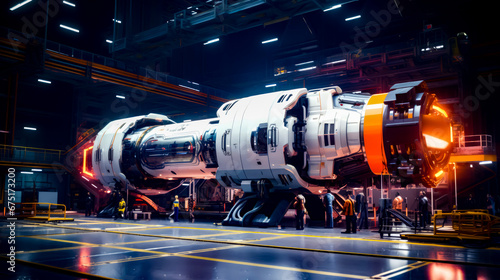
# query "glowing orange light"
(440, 110)
(446, 271)
(451, 133)
(84, 259)
(439, 173)
(434, 142)
(84, 169)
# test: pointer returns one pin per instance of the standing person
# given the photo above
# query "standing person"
(121, 209)
(423, 207)
(490, 204)
(328, 201)
(191, 208)
(397, 203)
(300, 211)
(350, 214)
(175, 207)
(362, 210)
(88, 205)
(471, 203)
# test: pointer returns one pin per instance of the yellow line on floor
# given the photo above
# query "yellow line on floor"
(118, 243)
(60, 269)
(336, 237)
(139, 228)
(54, 234)
(176, 227)
(50, 250)
(407, 270)
(209, 235)
(130, 260)
(118, 223)
(304, 249)
(395, 269)
(164, 255)
(188, 254)
(284, 234)
(139, 241)
(100, 245)
(165, 239)
(274, 267)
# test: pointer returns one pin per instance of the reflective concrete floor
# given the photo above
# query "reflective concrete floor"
(157, 249)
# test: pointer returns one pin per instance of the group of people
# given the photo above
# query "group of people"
(423, 207)
(492, 203)
(355, 211)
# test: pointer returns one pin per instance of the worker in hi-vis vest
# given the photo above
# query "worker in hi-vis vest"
(175, 207)
(121, 208)
(350, 214)
(397, 203)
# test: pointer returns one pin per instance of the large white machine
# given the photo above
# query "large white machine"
(284, 141)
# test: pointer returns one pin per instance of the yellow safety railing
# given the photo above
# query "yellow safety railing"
(29, 153)
(466, 222)
(32, 209)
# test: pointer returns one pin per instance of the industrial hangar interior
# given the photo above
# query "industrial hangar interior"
(240, 139)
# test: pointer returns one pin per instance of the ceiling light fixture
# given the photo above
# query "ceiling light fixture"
(45, 81)
(69, 28)
(332, 8)
(270, 40)
(69, 3)
(211, 41)
(19, 5)
(354, 17)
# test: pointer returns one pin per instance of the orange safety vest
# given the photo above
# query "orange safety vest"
(348, 208)
(398, 203)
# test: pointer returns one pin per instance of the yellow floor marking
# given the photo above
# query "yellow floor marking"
(127, 228)
(99, 245)
(163, 239)
(264, 239)
(207, 250)
(140, 228)
(139, 241)
(407, 270)
(396, 269)
(50, 234)
(336, 237)
(119, 223)
(131, 242)
(188, 254)
(176, 227)
(295, 235)
(209, 235)
(49, 250)
(129, 260)
(63, 270)
(164, 255)
(275, 267)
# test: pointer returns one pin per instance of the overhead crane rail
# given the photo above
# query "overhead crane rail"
(67, 60)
